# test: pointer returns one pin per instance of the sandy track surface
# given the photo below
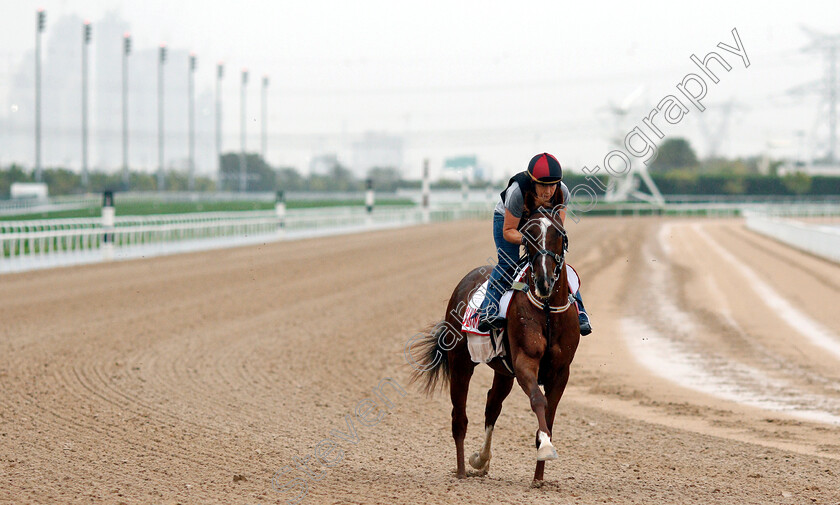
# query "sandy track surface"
(197, 378)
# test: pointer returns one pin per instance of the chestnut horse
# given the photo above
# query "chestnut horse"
(543, 333)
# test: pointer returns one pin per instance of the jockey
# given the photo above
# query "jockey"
(527, 190)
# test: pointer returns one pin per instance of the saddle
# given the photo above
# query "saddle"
(469, 323)
(485, 346)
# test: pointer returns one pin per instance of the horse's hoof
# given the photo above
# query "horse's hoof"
(537, 483)
(546, 453)
(475, 462)
(461, 474)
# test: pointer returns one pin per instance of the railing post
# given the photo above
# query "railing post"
(369, 200)
(426, 215)
(465, 190)
(280, 210)
(108, 214)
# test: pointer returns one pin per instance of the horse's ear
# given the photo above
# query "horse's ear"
(527, 233)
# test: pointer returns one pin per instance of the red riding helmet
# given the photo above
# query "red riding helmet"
(545, 169)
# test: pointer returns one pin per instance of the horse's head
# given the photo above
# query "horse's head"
(545, 244)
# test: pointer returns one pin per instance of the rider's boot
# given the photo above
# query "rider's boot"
(488, 313)
(583, 317)
(488, 317)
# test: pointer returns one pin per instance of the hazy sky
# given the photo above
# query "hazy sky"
(483, 78)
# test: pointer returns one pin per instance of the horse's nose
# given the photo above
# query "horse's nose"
(543, 286)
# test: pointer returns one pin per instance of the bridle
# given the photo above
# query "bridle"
(559, 263)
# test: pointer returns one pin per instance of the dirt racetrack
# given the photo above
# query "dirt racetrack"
(197, 378)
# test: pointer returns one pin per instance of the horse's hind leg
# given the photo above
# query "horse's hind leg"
(459, 386)
(502, 385)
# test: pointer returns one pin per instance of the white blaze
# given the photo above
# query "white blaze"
(543, 232)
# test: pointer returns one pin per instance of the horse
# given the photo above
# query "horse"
(543, 334)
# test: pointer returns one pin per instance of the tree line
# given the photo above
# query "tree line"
(676, 171)
(259, 177)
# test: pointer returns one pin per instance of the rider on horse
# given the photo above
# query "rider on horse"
(525, 192)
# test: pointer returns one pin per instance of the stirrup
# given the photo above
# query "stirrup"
(489, 323)
(585, 325)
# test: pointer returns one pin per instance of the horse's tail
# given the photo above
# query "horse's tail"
(432, 367)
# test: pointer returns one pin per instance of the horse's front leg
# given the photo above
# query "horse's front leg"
(526, 369)
(554, 391)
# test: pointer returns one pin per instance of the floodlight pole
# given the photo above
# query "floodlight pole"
(160, 176)
(220, 69)
(264, 123)
(39, 29)
(191, 91)
(243, 180)
(86, 33)
(125, 53)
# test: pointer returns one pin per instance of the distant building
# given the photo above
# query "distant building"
(61, 100)
(460, 167)
(377, 150)
(811, 169)
(322, 164)
(61, 111)
(143, 114)
(29, 190)
(106, 90)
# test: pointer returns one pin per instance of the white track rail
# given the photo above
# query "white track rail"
(35, 244)
(820, 240)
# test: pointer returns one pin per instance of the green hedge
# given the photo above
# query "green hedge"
(686, 183)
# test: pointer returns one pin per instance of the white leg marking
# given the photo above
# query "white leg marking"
(481, 459)
(488, 439)
(546, 451)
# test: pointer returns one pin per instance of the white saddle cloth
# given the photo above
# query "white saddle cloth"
(478, 342)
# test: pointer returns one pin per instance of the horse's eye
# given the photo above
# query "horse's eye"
(530, 239)
(531, 232)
